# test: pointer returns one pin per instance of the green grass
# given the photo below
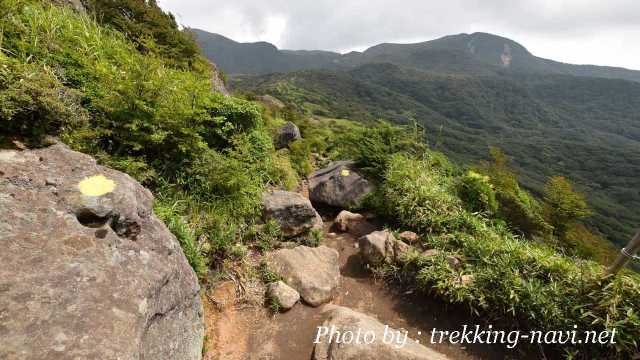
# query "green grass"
(515, 278)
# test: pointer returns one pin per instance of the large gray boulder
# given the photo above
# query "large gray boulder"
(340, 185)
(86, 269)
(371, 344)
(313, 272)
(287, 134)
(293, 212)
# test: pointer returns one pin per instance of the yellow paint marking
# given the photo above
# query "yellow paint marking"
(96, 185)
(345, 172)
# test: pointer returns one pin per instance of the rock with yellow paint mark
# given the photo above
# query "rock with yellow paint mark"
(97, 185)
(86, 263)
(340, 185)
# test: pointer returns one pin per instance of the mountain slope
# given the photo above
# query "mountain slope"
(472, 54)
(258, 58)
(587, 129)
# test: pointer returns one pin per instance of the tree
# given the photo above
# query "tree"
(563, 205)
(149, 27)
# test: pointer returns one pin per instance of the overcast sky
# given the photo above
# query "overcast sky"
(601, 32)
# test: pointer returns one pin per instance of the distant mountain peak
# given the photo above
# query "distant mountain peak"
(479, 53)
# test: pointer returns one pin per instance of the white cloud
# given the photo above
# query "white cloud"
(576, 31)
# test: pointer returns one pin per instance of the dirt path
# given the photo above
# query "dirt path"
(256, 334)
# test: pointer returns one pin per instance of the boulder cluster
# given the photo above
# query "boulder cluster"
(312, 274)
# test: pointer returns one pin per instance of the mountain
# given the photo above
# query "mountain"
(260, 57)
(472, 54)
(470, 92)
(587, 129)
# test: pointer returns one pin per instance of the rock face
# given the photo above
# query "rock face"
(313, 272)
(291, 211)
(381, 246)
(217, 83)
(286, 296)
(271, 102)
(86, 269)
(339, 185)
(287, 134)
(344, 320)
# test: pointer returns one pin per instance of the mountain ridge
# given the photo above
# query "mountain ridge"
(477, 53)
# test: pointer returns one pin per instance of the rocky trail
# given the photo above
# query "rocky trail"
(255, 333)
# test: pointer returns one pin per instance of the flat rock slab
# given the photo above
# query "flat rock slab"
(313, 272)
(340, 320)
(86, 269)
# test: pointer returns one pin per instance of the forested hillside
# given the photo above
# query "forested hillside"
(471, 54)
(584, 128)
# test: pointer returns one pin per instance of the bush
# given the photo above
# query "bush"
(372, 146)
(138, 108)
(513, 278)
(419, 195)
(34, 103)
(515, 205)
(477, 193)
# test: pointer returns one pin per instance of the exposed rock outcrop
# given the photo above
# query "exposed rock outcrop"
(337, 347)
(271, 102)
(293, 212)
(287, 134)
(313, 272)
(381, 247)
(217, 82)
(86, 269)
(285, 295)
(340, 185)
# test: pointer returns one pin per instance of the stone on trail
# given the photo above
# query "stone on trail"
(313, 272)
(381, 247)
(291, 211)
(339, 185)
(344, 320)
(285, 295)
(87, 271)
(352, 223)
(409, 237)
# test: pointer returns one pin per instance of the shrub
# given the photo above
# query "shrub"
(513, 278)
(477, 193)
(419, 195)
(563, 205)
(34, 103)
(372, 146)
(515, 205)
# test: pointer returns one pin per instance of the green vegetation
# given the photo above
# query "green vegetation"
(585, 129)
(513, 278)
(149, 28)
(206, 157)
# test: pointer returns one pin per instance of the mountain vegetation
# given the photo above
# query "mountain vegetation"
(471, 54)
(585, 129)
(117, 90)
